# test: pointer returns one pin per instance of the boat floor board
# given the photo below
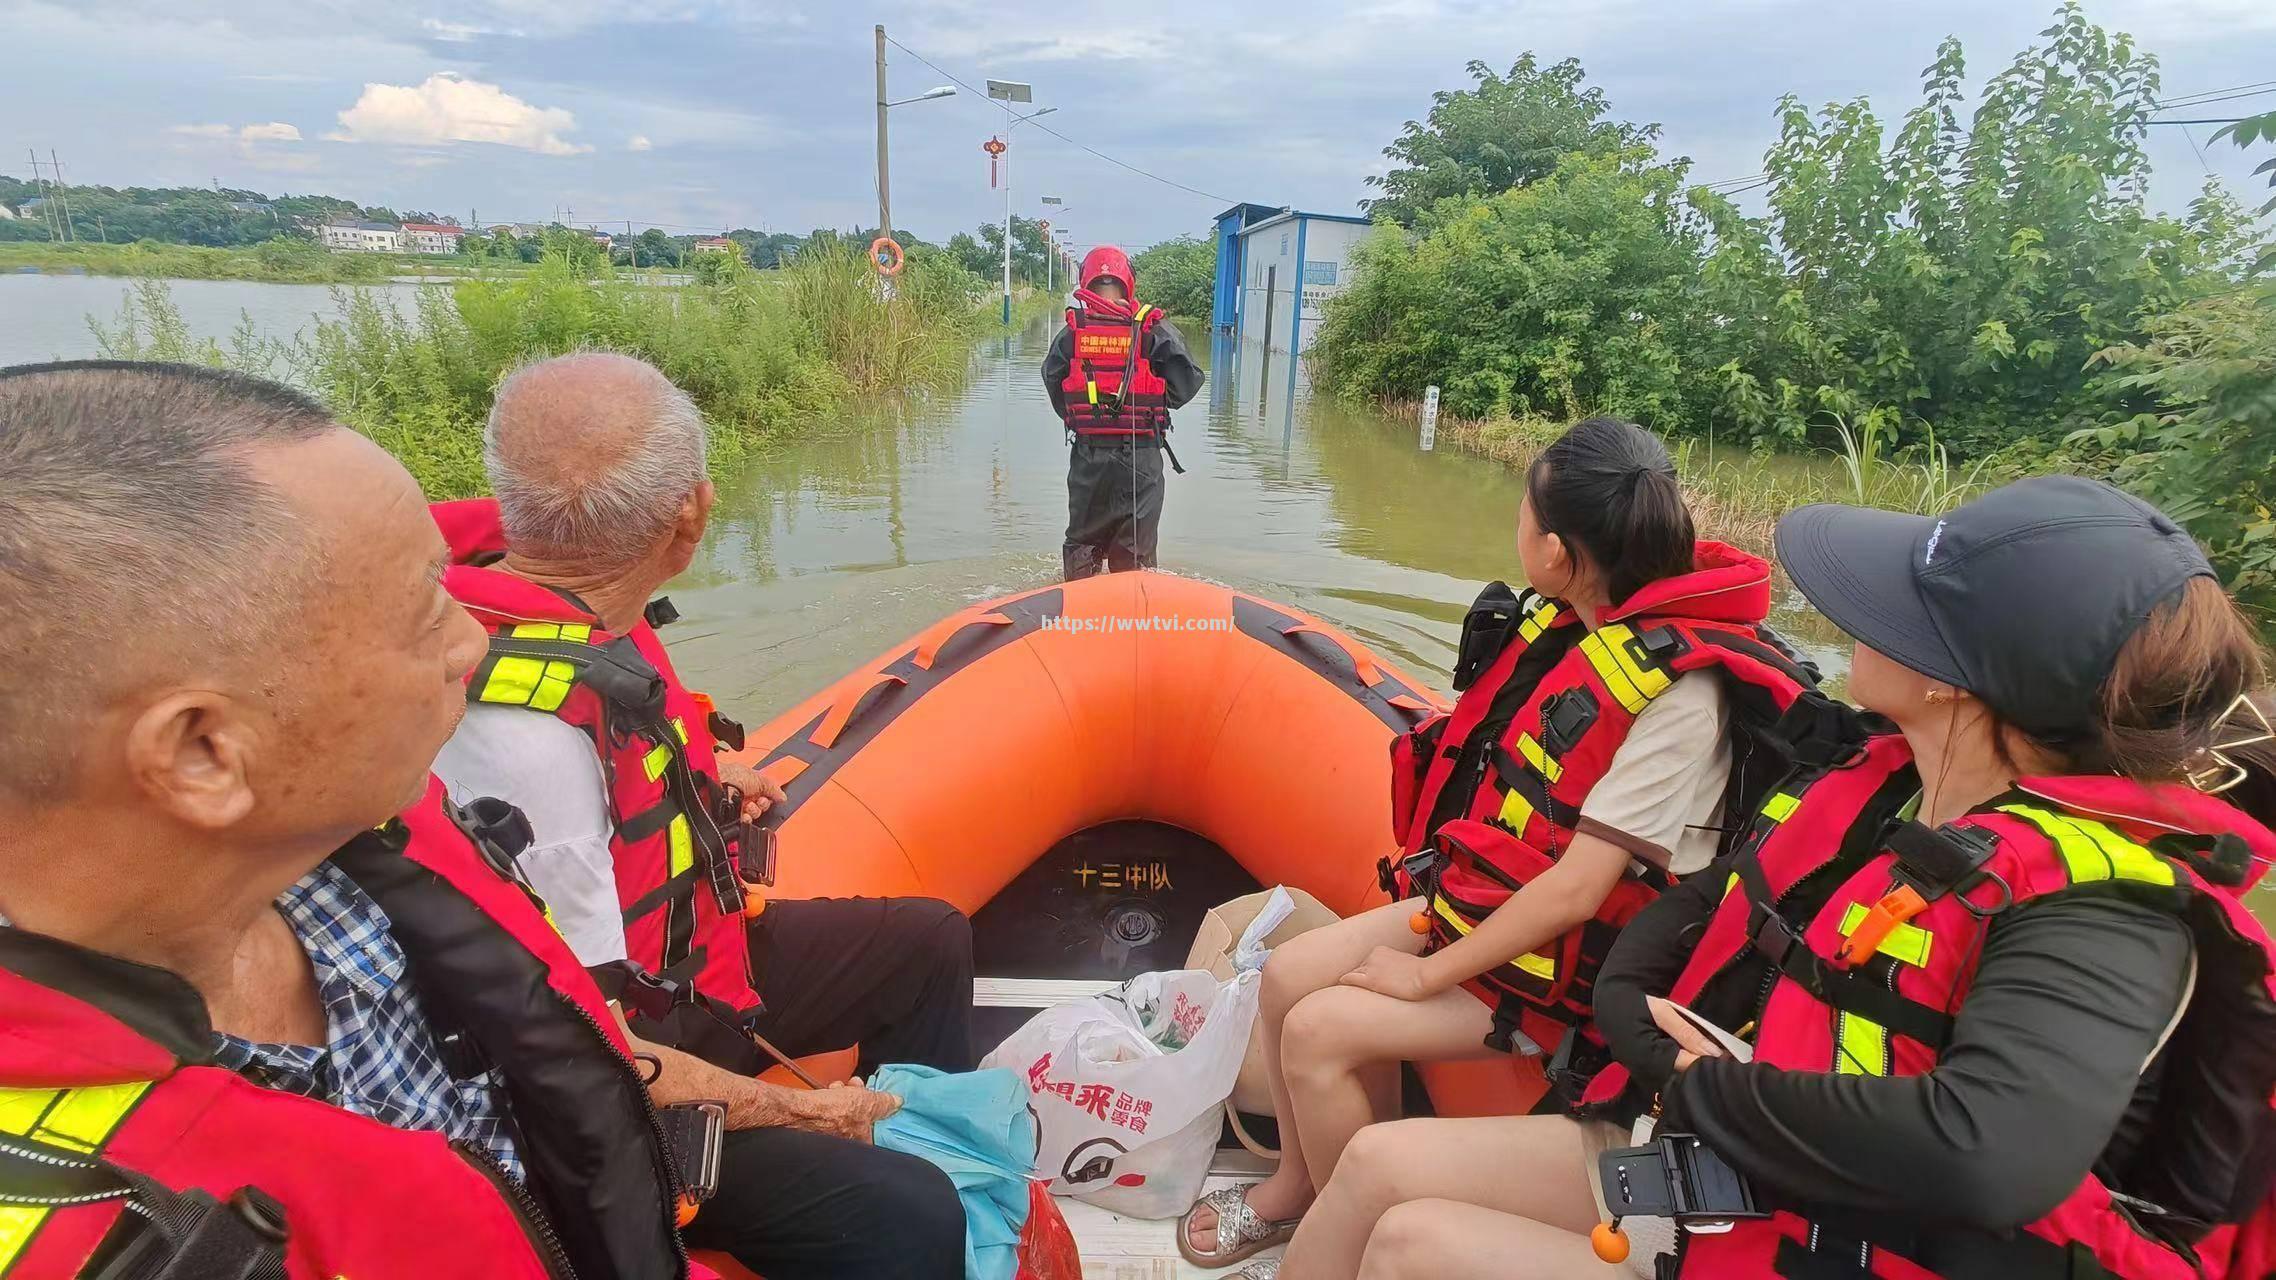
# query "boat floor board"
(1035, 993)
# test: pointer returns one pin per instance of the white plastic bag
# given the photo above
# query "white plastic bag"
(1127, 1086)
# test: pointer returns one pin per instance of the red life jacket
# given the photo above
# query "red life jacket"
(673, 843)
(1111, 389)
(1887, 1011)
(107, 1091)
(1489, 795)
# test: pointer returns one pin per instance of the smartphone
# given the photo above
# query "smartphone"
(694, 1132)
(1677, 1176)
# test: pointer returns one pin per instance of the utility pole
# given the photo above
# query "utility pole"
(884, 181)
(62, 194)
(47, 200)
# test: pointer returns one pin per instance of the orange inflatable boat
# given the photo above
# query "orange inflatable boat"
(1087, 768)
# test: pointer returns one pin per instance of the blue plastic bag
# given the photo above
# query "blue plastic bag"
(976, 1128)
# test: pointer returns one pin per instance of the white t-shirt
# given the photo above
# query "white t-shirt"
(546, 768)
(1662, 796)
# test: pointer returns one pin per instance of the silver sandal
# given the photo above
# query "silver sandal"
(1241, 1233)
(1261, 1269)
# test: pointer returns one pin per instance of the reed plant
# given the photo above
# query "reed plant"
(758, 351)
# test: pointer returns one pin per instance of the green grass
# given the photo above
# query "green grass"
(1739, 495)
(759, 352)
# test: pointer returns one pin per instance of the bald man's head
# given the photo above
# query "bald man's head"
(593, 457)
(223, 612)
(136, 538)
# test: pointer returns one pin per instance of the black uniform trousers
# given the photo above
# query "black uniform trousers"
(895, 976)
(1114, 506)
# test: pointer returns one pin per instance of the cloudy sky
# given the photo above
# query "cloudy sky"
(703, 114)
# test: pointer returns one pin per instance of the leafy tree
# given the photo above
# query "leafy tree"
(1029, 250)
(974, 257)
(1507, 131)
(1552, 299)
(2202, 452)
(2248, 130)
(1179, 276)
(1961, 278)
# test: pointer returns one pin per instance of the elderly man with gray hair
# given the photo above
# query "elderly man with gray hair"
(577, 717)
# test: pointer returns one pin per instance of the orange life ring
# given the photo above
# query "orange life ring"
(886, 243)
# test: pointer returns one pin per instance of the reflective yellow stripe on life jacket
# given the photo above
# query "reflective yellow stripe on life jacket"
(541, 683)
(1539, 966)
(1631, 682)
(1541, 761)
(1780, 806)
(1863, 1044)
(1537, 622)
(79, 1120)
(2093, 852)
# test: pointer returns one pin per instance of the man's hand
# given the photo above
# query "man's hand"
(760, 792)
(847, 1111)
(1393, 973)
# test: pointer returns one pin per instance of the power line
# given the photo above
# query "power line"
(2206, 97)
(1143, 173)
(2234, 91)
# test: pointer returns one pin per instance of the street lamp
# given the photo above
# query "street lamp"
(1051, 243)
(884, 183)
(944, 91)
(1009, 92)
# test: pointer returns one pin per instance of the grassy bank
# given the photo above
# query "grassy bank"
(1738, 495)
(758, 352)
(272, 262)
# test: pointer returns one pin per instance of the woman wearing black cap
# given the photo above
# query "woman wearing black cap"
(1999, 1008)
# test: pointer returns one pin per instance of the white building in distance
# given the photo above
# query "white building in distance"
(431, 237)
(361, 237)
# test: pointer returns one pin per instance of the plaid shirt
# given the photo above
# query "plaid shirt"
(380, 1057)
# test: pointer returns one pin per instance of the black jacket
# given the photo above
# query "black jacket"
(1165, 351)
(2041, 1081)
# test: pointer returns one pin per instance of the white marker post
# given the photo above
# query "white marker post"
(1430, 417)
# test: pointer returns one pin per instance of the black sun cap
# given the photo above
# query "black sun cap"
(2022, 597)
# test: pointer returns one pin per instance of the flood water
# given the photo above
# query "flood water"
(827, 550)
(830, 549)
(45, 317)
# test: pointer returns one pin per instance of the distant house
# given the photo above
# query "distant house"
(7, 214)
(518, 230)
(361, 237)
(716, 244)
(601, 238)
(431, 237)
(252, 206)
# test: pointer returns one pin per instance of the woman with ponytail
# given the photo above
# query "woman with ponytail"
(1993, 1001)
(1586, 766)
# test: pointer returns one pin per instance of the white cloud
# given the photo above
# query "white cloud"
(462, 32)
(450, 108)
(273, 131)
(638, 142)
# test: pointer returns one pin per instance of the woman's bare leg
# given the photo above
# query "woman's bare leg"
(1297, 968)
(1338, 1037)
(1449, 1240)
(1528, 1167)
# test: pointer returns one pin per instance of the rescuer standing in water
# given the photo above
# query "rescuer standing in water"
(1114, 373)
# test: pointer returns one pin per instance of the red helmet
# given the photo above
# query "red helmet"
(1109, 263)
